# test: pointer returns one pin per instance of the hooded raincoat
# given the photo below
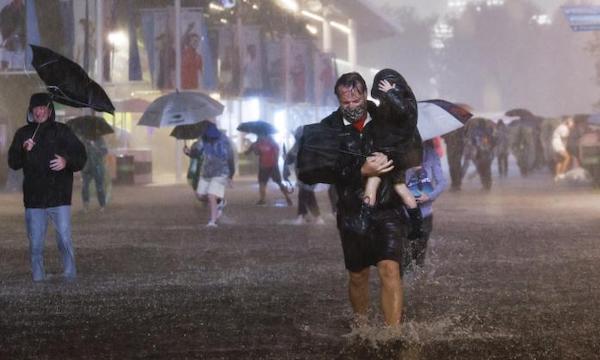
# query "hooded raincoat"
(43, 187)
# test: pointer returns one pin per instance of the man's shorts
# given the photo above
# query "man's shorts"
(214, 186)
(266, 173)
(384, 241)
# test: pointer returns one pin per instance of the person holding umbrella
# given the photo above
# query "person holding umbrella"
(49, 153)
(268, 157)
(217, 169)
(94, 169)
(90, 130)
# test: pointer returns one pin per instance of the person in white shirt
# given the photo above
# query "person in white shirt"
(559, 145)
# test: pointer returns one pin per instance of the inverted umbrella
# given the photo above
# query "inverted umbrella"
(439, 117)
(189, 132)
(91, 127)
(258, 127)
(68, 83)
(319, 149)
(180, 108)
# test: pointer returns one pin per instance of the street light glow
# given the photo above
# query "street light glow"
(313, 16)
(216, 7)
(290, 5)
(311, 29)
(118, 38)
(341, 27)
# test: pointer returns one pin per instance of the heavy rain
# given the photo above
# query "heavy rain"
(257, 179)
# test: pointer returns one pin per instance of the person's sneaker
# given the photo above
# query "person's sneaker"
(289, 202)
(319, 221)
(298, 221)
(261, 203)
(220, 207)
(102, 208)
(211, 224)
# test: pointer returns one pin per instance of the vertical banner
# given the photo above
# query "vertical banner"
(135, 66)
(275, 70)
(300, 71)
(229, 63)
(325, 78)
(12, 31)
(159, 42)
(68, 27)
(251, 54)
(197, 68)
(84, 48)
(32, 29)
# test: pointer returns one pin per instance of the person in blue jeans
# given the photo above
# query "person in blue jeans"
(49, 153)
(426, 184)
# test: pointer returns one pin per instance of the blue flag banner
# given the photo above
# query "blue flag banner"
(135, 66)
(582, 18)
(33, 32)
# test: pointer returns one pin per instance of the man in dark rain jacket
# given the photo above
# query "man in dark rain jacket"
(49, 153)
(382, 246)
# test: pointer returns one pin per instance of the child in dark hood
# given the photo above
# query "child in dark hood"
(396, 136)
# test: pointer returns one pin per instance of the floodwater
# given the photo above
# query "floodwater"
(511, 274)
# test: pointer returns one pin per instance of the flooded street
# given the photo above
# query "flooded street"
(510, 274)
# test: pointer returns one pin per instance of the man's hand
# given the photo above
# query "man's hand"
(28, 144)
(385, 86)
(58, 163)
(376, 164)
(186, 150)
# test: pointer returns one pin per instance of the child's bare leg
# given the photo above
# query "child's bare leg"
(407, 197)
(371, 190)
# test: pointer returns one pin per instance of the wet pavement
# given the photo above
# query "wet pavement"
(510, 274)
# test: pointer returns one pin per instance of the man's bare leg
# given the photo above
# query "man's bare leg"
(212, 202)
(262, 192)
(370, 196)
(391, 291)
(358, 289)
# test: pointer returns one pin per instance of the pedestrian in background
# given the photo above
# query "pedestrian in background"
(216, 173)
(95, 170)
(433, 167)
(268, 169)
(502, 147)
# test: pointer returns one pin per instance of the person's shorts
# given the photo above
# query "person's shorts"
(384, 242)
(558, 146)
(214, 186)
(266, 173)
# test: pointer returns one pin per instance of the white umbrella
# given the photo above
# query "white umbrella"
(180, 108)
(439, 117)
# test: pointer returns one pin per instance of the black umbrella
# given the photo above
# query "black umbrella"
(257, 127)
(319, 150)
(68, 82)
(519, 112)
(91, 127)
(189, 132)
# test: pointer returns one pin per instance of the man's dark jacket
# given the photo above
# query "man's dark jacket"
(43, 187)
(349, 182)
